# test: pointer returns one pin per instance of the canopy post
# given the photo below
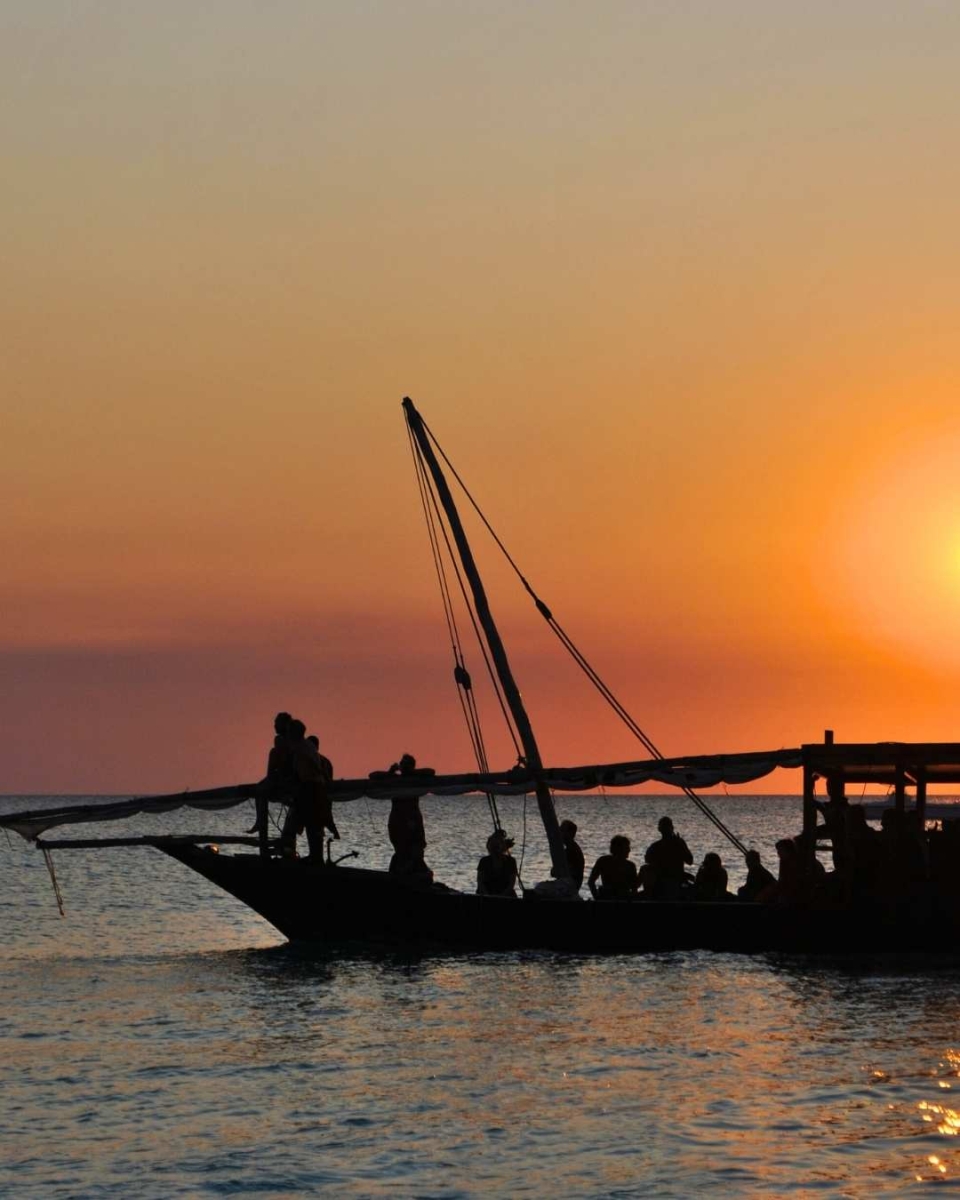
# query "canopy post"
(922, 797)
(548, 814)
(809, 815)
(900, 789)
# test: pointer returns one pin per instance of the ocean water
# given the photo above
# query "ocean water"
(160, 1040)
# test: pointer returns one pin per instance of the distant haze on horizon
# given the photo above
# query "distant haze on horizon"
(675, 285)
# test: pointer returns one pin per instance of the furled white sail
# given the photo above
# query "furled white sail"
(699, 771)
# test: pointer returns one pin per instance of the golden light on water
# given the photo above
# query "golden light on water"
(938, 1167)
(948, 1118)
(944, 1120)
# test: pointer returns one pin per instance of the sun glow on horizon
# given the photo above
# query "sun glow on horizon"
(896, 557)
(675, 285)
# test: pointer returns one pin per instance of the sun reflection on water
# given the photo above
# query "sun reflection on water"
(949, 1118)
(674, 1074)
(946, 1121)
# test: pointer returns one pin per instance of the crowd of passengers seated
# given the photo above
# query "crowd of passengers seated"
(896, 861)
(663, 875)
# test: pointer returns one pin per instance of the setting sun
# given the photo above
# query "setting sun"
(684, 318)
(896, 564)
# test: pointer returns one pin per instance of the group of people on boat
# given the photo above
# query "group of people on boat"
(662, 876)
(497, 871)
(298, 775)
(868, 863)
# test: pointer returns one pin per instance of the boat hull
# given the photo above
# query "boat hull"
(307, 902)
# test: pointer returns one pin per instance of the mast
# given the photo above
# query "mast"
(548, 814)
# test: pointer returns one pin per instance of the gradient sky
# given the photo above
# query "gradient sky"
(677, 286)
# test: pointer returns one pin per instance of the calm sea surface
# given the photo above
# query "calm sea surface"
(160, 1040)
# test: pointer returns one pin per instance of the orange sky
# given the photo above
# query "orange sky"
(675, 286)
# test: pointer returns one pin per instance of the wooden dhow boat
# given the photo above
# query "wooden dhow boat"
(320, 902)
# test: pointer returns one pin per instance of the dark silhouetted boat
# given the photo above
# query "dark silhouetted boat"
(322, 902)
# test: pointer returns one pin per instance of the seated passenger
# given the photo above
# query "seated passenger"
(647, 879)
(575, 863)
(790, 881)
(497, 870)
(760, 884)
(834, 811)
(711, 881)
(668, 857)
(617, 874)
(903, 850)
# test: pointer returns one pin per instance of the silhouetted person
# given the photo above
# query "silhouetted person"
(279, 780)
(864, 854)
(311, 810)
(647, 878)
(711, 880)
(318, 770)
(668, 857)
(497, 870)
(312, 740)
(280, 758)
(575, 863)
(405, 824)
(616, 873)
(760, 883)
(834, 810)
(790, 878)
(904, 851)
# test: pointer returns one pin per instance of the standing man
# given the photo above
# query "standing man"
(278, 782)
(320, 763)
(405, 825)
(311, 809)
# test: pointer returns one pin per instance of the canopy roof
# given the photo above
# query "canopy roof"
(697, 771)
(851, 762)
(883, 762)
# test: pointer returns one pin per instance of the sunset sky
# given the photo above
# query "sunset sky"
(676, 285)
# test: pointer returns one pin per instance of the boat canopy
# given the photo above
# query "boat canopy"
(697, 771)
(886, 763)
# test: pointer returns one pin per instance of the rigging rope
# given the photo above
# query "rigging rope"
(460, 674)
(581, 660)
(465, 693)
(523, 844)
(48, 859)
(494, 680)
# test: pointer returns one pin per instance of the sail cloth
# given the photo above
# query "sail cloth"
(698, 771)
(31, 825)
